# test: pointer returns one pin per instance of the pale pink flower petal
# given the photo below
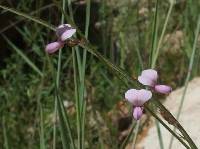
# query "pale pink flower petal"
(146, 81)
(144, 96)
(65, 32)
(164, 89)
(138, 97)
(148, 77)
(137, 112)
(131, 95)
(62, 28)
(150, 73)
(54, 46)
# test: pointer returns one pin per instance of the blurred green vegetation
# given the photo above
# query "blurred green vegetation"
(122, 31)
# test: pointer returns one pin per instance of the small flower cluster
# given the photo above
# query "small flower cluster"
(137, 98)
(63, 32)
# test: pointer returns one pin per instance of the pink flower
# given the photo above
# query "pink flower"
(54, 46)
(64, 32)
(164, 89)
(137, 98)
(137, 112)
(149, 77)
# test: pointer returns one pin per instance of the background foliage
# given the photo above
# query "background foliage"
(122, 31)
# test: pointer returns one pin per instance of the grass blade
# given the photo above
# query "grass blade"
(64, 120)
(5, 136)
(22, 19)
(126, 140)
(34, 19)
(42, 138)
(136, 133)
(62, 125)
(155, 56)
(82, 89)
(154, 34)
(26, 59)
(65, 124)
(160, 138)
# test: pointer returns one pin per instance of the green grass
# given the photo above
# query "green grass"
(92, 76)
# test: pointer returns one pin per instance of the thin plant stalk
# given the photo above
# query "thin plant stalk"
(23, 56)
(154, 33)
(41, 113)
(34, 19)
(5, 136)
(160, 138)
(76, 63)
(77, 97)
(136, 134)
(55, 122)
(156, 53)
(80, 102)
(22, 19)
(83, 108)
(126, 140)
(57, 86)
(187, 78)
(139, 121)
(42, 138)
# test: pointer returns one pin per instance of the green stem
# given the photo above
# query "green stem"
(155, 57)
(5, 136)
(78, 91)
(126, 140)
(136, 134)
(76, 97)
(159, 134)
(83, 104)
(155, 54)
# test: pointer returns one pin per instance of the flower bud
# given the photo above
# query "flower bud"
(164, 89)
(54, 46)
(137, 112)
